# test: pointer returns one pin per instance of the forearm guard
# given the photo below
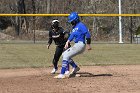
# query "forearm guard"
(88, 40)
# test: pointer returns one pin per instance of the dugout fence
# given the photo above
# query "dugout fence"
(104, 28)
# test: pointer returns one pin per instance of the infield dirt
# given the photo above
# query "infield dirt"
(93, 79)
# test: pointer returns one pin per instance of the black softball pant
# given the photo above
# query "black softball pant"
(58, 53)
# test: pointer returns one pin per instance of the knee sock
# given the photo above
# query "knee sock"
(67, 67)
(64, 65)
(71, 62)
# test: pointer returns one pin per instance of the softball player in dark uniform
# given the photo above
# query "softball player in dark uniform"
(81, 36)
(58, 35)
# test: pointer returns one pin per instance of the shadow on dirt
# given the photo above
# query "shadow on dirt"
(87, 74)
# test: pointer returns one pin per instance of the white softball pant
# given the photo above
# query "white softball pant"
(76, 49)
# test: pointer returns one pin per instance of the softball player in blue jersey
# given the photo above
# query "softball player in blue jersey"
(81, 36)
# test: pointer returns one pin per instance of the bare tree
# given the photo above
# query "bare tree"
(107, 26)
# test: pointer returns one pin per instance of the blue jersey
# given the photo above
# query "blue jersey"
(79, 33)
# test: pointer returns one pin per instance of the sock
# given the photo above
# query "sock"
(67, 67)
(71, 62)
(64, 65)
(55, 64)
(55, 67)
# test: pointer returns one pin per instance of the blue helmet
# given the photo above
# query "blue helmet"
(73, 17)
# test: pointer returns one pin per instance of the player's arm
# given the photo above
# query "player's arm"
(67, 44)
(66, 35)
(50, 39)
(88, 40)
(71, 37)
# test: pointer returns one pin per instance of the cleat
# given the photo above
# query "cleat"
(54, 71)
(74, 70)
(73, 73)
(60, 76)
(67, 72)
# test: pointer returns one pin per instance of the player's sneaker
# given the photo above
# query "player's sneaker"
(54, 71)
(67, 72)
(60, 76)
(74, 70)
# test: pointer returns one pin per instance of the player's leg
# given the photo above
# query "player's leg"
(78, 48)
(63, 69)
(75, 68)
(71, 52)
(72, 63)
(67, 69)
(75, 50)
(58, 53)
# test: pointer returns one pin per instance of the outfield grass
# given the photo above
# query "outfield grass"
(37, 55)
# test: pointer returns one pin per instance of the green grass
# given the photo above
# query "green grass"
(37, 55)
(106, 54)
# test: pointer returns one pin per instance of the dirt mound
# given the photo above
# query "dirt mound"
(93, 79)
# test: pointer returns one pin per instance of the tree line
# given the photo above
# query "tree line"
(101, 27)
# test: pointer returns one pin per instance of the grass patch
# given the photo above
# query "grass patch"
(37, 55)
(112, 54)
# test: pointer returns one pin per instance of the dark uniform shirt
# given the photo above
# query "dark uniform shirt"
(57, 36)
